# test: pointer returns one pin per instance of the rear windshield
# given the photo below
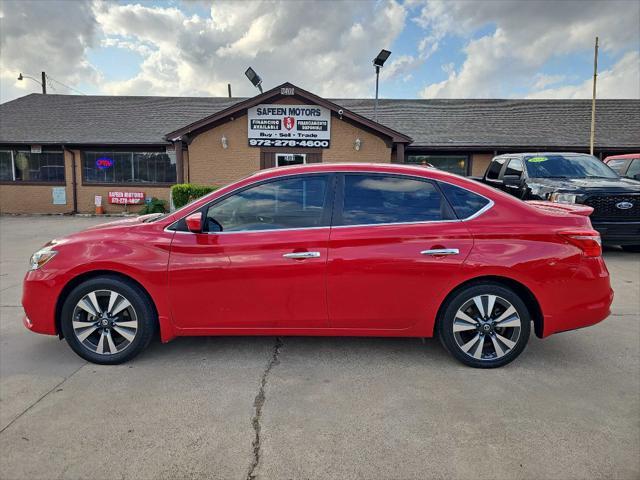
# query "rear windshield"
(573, 166)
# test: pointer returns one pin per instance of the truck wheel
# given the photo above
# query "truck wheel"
(108, 320)
(485, 325)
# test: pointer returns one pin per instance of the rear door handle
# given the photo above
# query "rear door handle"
(302, 255)
(441, 251)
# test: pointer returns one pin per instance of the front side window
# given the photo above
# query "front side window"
(464, 202)
(376, 199)
(288, 203)
(514, 167)
(634, 168)
(449, 163)
(128, 167)
(494, 169)
(24, 166)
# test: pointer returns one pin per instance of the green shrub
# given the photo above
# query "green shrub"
(184, 193)
(154, 206)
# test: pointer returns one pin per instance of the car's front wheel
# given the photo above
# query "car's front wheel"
(485, 325)
(107, 320)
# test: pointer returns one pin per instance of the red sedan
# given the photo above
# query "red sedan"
(354, 250)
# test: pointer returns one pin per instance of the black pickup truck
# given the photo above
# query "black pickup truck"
(574, 178)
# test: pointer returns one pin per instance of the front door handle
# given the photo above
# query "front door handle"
(302, 255)
(441, 251)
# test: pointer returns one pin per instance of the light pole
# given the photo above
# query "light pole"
(43, 84)
(254, 78)
(378, 62)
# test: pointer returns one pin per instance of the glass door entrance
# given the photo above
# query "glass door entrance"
(286, 159)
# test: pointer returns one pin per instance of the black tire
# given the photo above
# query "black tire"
(140, 303)
(631, 248)
(451, 341)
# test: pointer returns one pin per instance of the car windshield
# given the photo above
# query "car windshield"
(567, 166)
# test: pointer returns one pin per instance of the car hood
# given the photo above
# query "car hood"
(589, 185)
(129, 221)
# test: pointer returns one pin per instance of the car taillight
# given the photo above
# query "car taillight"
(586, 240)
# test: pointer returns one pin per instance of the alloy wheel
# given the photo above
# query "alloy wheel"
(486, 327)
(105, 322)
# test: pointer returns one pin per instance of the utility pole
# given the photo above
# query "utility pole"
(44, 83)
(593, 99)
(229, 88)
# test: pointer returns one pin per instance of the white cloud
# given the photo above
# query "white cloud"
(526, 35)
(48, 35)
(542, 80)
(620, 81)
(324, 47)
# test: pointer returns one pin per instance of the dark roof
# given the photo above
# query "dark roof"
(275, 94)
(536, 124)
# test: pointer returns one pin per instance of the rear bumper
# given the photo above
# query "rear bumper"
(585, 301)
(618, 233)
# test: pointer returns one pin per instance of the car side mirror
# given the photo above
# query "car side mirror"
(194, 222)
(512, 180)
(636, 176)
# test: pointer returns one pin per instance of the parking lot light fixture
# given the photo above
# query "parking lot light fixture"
(254, 78)
(378, 62)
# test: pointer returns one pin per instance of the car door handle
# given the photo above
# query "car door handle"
(302, 255)
(441, 251)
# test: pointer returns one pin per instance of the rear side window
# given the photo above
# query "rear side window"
(494, 169)
(376, 199)
(464, 202)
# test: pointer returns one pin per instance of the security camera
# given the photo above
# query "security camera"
(340, 112)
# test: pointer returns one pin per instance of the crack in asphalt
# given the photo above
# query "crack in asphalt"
(42, 397)
(258, 403)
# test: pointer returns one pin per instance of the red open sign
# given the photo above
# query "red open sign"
(126, 198)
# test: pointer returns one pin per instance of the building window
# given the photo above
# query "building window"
(24, 166)
(129, 167)
(457, 164)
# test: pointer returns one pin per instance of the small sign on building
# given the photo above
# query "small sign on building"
(126, 198)
(59, 195)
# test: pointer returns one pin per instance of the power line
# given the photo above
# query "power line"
(64, 85)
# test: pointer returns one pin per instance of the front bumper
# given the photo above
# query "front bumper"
(618, 233)
(39, 296)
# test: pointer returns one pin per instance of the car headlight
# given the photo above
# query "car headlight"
(41, 257)
(563, 197)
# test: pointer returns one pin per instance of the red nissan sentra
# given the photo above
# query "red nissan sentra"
(357, 250)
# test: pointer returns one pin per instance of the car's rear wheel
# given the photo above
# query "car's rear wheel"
(107, 320)
(485, 325)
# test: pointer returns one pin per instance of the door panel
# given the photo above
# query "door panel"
(377, 277)
(380, 273)
(261, 262)
(242, 280)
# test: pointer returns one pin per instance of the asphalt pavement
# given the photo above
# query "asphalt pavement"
(315, 408)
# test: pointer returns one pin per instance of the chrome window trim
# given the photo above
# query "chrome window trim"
(484, 209)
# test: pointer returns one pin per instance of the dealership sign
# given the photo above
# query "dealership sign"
(280, 125)
(126, 198)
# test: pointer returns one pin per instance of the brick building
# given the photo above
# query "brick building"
(58, 152)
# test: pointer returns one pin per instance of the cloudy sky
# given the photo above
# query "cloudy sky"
(441, 48)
